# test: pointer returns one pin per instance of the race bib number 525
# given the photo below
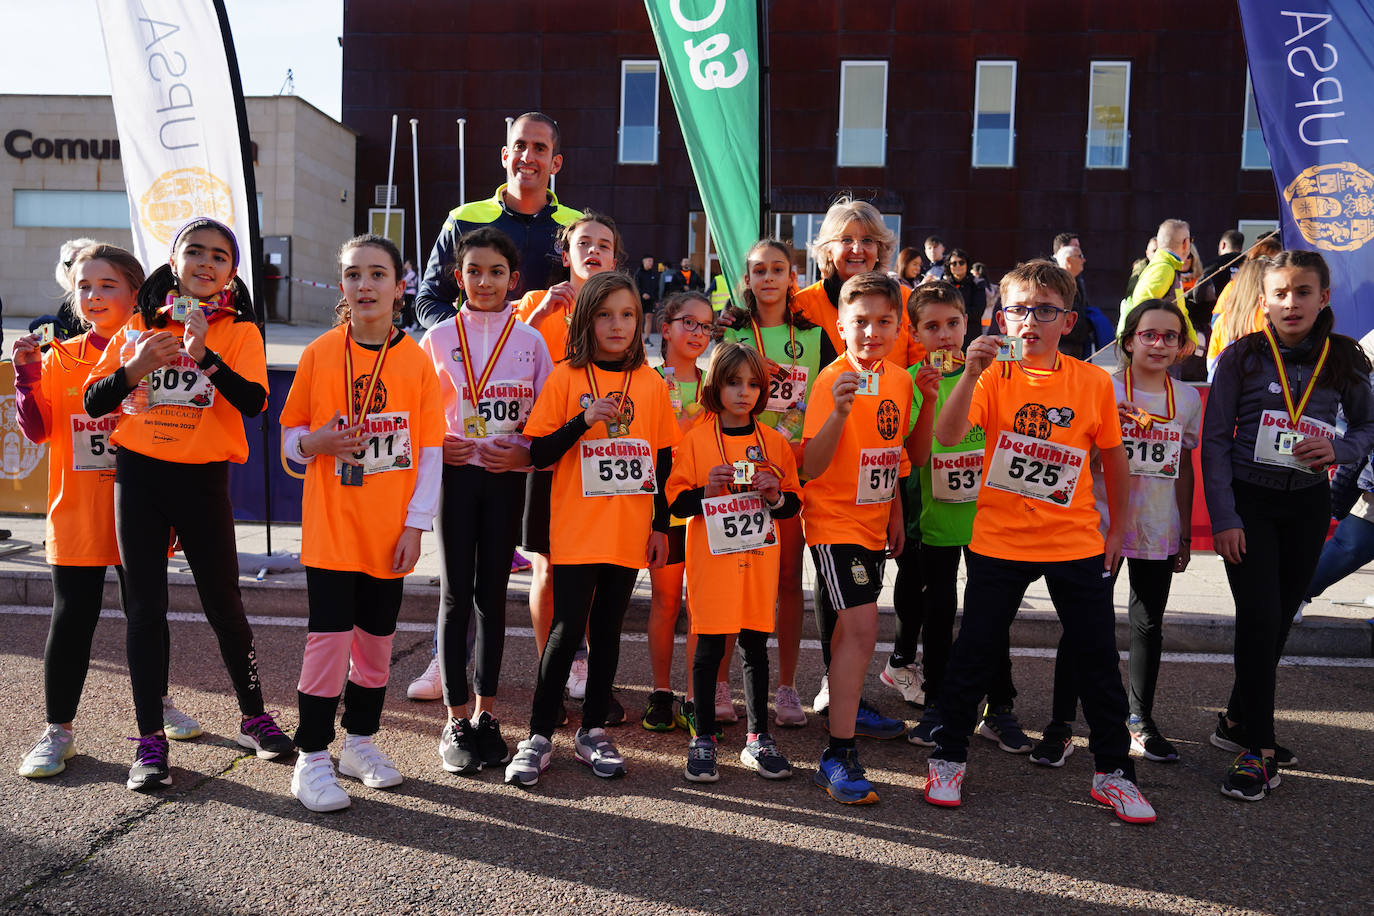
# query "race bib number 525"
(1035, 469)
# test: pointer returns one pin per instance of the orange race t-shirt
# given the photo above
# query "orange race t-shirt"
(732, 591)
(80, 529)
(848, 503)
(196, 424)
(355, 529)
(604, 529)
(554, 327)
(1045, 425)
(814, 305)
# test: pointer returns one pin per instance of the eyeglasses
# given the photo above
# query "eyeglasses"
(953, 263)
(1042, 313)
(691, 325)
(1150, 338)
(849, 241)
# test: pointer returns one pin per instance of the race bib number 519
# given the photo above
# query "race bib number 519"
(878, 470)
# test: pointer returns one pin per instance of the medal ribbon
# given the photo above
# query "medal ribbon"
(758, 438)
(1032, 371)
(60, 353)
(371, 383)
(596, 392)
(475, 385)
(222, 303)
(857, 367)
(1169, 407)
(791, 341)
(1295, 413)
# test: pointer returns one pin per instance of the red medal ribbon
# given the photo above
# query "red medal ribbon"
(372, 382)
(1170, 410)
(1295, 412)
(596, 392)
(475, 385)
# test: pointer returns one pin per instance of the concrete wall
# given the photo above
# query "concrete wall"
(305, 162)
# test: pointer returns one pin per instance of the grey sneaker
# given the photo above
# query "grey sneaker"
(593, 748)
(763, 756)
(176, 724)
(701, 760)
(789, 708)
(458, 747)
(530, 761)
(50, 755)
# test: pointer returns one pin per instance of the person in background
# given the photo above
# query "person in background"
(683, 279)
(1230, 256)
(957, 274)
(909, 267)
(410, 281)
(990, 290)
(647, 282)
(1076, 342)
(935, 258)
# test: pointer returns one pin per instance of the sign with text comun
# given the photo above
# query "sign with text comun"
(175, 107)
(1311, 67)
(710, 54)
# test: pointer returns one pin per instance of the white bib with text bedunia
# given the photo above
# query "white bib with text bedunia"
(956, 477)
(616, 467)
(1035, 468)
(786, 393)
(91, 446)
(878, 470)
(737, 522)
(387, 447)
(181, 383)
(1153, 452)
(1273, 424)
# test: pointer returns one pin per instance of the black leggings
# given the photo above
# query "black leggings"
(478, 526)
(152, 497)
(1284, 532)
(588, 598)
(753, 645)
(1150, 581)
(77, 593)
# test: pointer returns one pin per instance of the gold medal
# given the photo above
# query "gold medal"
(474, 427)
(620, 426)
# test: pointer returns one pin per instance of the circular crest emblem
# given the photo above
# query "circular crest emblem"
(1032, 420)
(1333, 205)
(794, 349)
(888, 418)
(180, 194)
(360, 391)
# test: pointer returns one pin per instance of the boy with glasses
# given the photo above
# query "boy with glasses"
(1037, 517)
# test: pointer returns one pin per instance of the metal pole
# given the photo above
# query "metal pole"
(390, 170)
(765, 172)
(462, 160)
(415, 170)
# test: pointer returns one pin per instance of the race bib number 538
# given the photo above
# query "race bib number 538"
(1035, 469)
(616, 467)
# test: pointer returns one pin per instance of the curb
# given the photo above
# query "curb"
(1324, 637)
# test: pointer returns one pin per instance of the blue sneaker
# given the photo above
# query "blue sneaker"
(843, 778)
(870, 723)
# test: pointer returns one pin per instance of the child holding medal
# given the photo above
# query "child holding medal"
(491, 369)
(365, 416)
(185, 387)
(1269, 434)
(605, 425)
(732, 476)
(79, 539)
(794, 350)
(1160, 419)
(687, 320)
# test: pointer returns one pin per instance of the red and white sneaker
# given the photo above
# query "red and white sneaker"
(945, 783)
(1124, 796)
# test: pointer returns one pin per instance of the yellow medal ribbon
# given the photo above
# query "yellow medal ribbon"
(1295, 413)
(596, 393)
(372, 382)
(1170, 409)
(477, 385)
(1032, 371)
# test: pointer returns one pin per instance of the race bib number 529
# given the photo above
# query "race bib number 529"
(737, 522)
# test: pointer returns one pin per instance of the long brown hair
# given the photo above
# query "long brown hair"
(581, 347)
(124, 264)
(732, 360)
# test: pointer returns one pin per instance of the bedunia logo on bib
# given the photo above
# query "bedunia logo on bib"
(1275, 420)
(738, 504)
(105, 424)
(872, 458)
(633, 449)
(1043, 451)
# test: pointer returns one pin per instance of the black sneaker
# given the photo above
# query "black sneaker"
(1001, 725)
(658, 715)
(1233, 738)
(150, 770)
(1249, 779)
(615, 713)
(261, 735)
(689, 715)
(1056, 747)
(491, 747)
(1284, 757)
(458, 748)
(1146, 739)
(701, 760)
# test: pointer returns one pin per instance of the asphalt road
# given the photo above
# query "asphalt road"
(229, 838)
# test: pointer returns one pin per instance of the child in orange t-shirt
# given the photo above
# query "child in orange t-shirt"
(183, 373)
(605, 425)
(732, 476)
(80, 536)
(365, 396)
(855, 428)
(1043, 413)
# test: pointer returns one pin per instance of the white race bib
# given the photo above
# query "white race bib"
(91, 447)
(181, 383)
(956, 477)
(617, 467)
(788, 392)
(1274, 422)
(737, 522)
(504, 406)
(388, 444)
(1153, 452)
(1035, 468)
(878, 470)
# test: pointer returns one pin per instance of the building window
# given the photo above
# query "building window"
(71, 209)
(1109, 112)
(863, 113)
(1254, 229)
(1253, 153)
(639, 112)
(994, 114)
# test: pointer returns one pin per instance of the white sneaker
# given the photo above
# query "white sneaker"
(428, 686)
(1297, 618)
(906, 681)
(176, 724)
(821, 705)
(1124, 796)
(725, 704)
(577, 679)
(50, 755)
(530, 761)
(362, 760)
(313, 782)
(945, 783)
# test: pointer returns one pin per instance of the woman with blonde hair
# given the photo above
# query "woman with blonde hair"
(1239, 310)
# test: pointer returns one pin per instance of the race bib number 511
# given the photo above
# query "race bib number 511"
(617, 467)
(388, 444)
(1035, 469)
(737, 522)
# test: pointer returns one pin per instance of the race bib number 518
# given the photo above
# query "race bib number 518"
(1035, 469)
